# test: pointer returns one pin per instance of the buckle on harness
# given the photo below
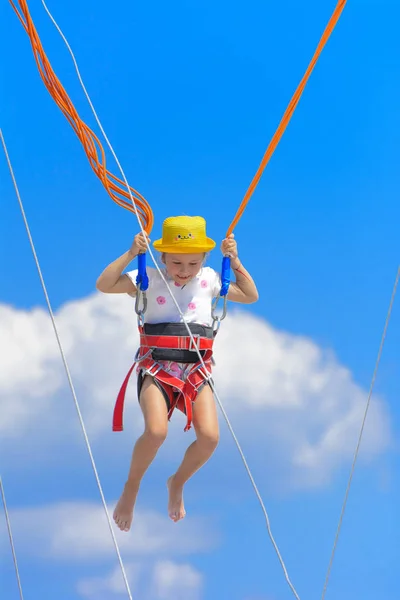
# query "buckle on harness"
(196, 340)
(154, 369)
(139, 358)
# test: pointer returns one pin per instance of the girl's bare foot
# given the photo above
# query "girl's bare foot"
(123, 513)
(176, 509)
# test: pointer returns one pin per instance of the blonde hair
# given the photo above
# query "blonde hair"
(162, 257)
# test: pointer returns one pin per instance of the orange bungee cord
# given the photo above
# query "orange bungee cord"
(115, 187)
(89, 139)
(288, 114)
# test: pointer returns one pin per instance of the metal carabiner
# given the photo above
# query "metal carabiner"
(140, 311)
(215, 317)
(216, 325)
(140, 319)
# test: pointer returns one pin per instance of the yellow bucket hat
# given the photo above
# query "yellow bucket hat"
(184, 235)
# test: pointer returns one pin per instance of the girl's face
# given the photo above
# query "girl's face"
(183, 267)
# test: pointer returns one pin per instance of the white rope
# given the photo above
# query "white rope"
(71, 385)
(176, 303)
(361, 434)
(3, 496)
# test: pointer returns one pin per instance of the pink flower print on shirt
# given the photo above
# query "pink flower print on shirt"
(161, 299)
(191, 306)
(176, 284)
(203, 283)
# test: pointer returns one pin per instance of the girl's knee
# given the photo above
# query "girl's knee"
(156, 434)
(208, 439)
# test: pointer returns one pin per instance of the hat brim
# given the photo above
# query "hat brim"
(180, 248)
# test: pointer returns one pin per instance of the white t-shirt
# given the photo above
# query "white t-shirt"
(194, 298)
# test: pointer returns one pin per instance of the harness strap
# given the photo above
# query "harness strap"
(187, 389)
(175, 342)
(119, 404)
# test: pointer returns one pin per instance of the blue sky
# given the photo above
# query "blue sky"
(190, 94)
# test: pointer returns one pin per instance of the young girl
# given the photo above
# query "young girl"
(184, 245)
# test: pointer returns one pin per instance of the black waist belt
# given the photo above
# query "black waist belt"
(177, 329)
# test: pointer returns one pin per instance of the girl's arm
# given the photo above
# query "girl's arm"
(244, 289)
(111, 281)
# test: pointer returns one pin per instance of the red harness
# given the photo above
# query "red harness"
(181, 394)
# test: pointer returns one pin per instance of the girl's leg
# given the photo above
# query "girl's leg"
(205, 422)
(155, 414)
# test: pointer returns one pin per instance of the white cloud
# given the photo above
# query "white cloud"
(285, 396)
(79, 531)
(28, 353)
(153, 580)
(174, 581)
(112, 585)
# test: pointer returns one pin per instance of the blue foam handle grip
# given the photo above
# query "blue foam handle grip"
(142, 279)
(225, 275)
